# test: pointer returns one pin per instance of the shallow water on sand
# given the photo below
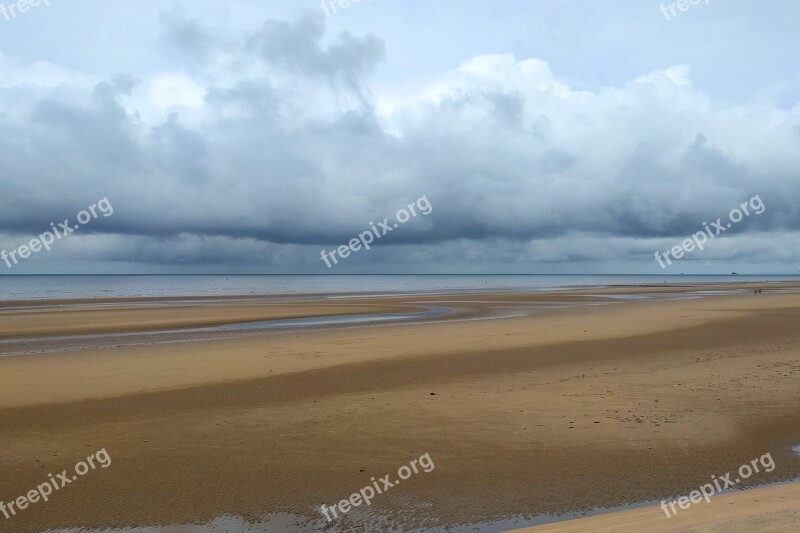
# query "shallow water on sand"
(66, 287)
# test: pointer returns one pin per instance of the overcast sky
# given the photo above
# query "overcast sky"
(548, 136)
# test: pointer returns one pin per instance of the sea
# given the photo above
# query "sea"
(19, 287)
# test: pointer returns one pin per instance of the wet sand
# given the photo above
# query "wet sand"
(773, 509)
(527, 403)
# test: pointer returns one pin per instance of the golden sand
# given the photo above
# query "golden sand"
(764, 509)
(566, 408)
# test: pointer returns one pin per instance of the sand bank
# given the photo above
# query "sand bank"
(563, 408)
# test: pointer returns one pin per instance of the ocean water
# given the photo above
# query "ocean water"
(107, 286)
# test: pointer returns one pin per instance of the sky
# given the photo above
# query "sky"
(544, 136)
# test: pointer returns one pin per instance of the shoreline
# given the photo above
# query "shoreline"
(312, 286)
(314, 305)
(777, 504)
(197, 319)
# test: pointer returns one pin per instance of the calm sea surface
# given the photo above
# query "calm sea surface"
(36, 287)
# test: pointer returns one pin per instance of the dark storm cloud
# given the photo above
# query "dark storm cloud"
(296, 46)
(286, 151)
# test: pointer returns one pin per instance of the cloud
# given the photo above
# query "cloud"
(262, 147)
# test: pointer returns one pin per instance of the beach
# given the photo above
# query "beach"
(533, 406)
(399, 267)
(762, 509)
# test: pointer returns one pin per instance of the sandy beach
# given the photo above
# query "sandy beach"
(399, 267)
(529, 404)
(763, 509)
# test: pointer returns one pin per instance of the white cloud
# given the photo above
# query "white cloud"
(289, 145)
(166, 92)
